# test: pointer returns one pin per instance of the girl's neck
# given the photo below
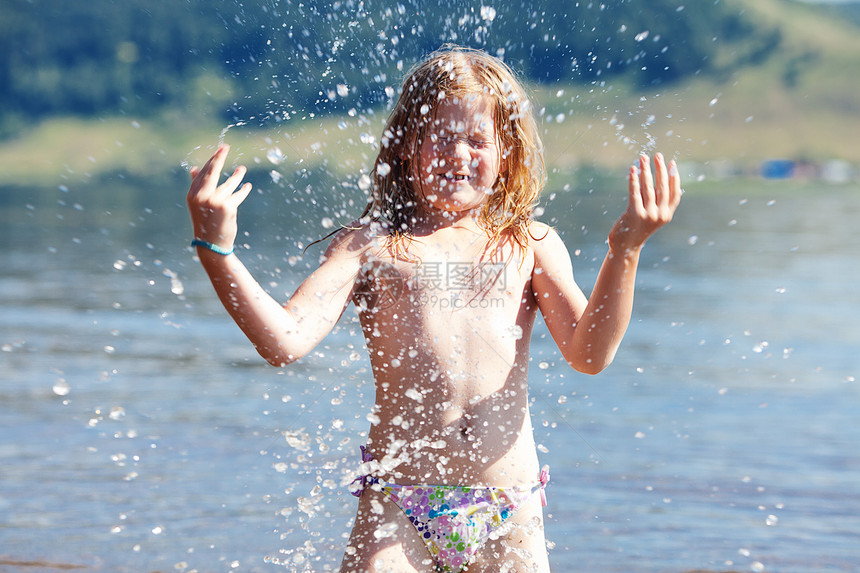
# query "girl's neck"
(429, 222)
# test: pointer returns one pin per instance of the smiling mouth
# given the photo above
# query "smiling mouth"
(455, 177)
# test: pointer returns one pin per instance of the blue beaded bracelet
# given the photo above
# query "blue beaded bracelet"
(211, 246)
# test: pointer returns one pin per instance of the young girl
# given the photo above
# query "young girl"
(447, 270)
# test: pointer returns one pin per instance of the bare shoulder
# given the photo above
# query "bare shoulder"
(354, 241)
(545, 241)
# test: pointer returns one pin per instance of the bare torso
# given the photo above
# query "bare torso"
(447, 326)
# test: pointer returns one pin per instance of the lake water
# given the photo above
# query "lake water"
(139, 431)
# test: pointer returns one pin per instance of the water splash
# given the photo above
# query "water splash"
(224, 131)
(176, 286)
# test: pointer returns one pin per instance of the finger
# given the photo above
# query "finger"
(634, 198)
(194, 189)
(674, 185)
(211, 171)
(661, 181)
(232, 182)
(239, 196)
(646, 182)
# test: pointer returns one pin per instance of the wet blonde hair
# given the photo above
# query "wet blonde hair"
(459, 72)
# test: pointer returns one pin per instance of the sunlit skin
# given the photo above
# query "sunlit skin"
(450, 361)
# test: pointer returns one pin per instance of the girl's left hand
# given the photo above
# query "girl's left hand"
(651, 203)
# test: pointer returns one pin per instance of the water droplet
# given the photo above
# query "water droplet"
(543, 365)
(693, 239)
(327, 223)
(176, 286)
(306, 505)
(298, 439)
(488, 13)
(62, 388)
(385, 530)
(641, 36)
(275, 156)
(639, 435)
(364, 182)
(771, 520)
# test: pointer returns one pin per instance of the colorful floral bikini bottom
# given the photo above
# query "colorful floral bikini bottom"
(454, 521)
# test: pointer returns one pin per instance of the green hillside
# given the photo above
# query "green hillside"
(803, 102)
(799, 99)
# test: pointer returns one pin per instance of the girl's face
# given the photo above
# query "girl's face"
(459, 158)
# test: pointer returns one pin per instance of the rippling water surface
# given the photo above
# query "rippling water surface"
(141, 432)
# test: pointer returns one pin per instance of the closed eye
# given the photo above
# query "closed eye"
(480, 142)
(444, 139)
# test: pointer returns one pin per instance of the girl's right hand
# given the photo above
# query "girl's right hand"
(214, 207)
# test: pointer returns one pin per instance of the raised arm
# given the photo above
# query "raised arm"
(589, 332)
(281, 334)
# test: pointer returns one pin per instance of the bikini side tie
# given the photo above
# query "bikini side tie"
(365, 479)
(544, 479)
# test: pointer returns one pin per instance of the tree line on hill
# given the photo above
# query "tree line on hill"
(248, 58)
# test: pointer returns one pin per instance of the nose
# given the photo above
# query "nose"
(456, 149)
